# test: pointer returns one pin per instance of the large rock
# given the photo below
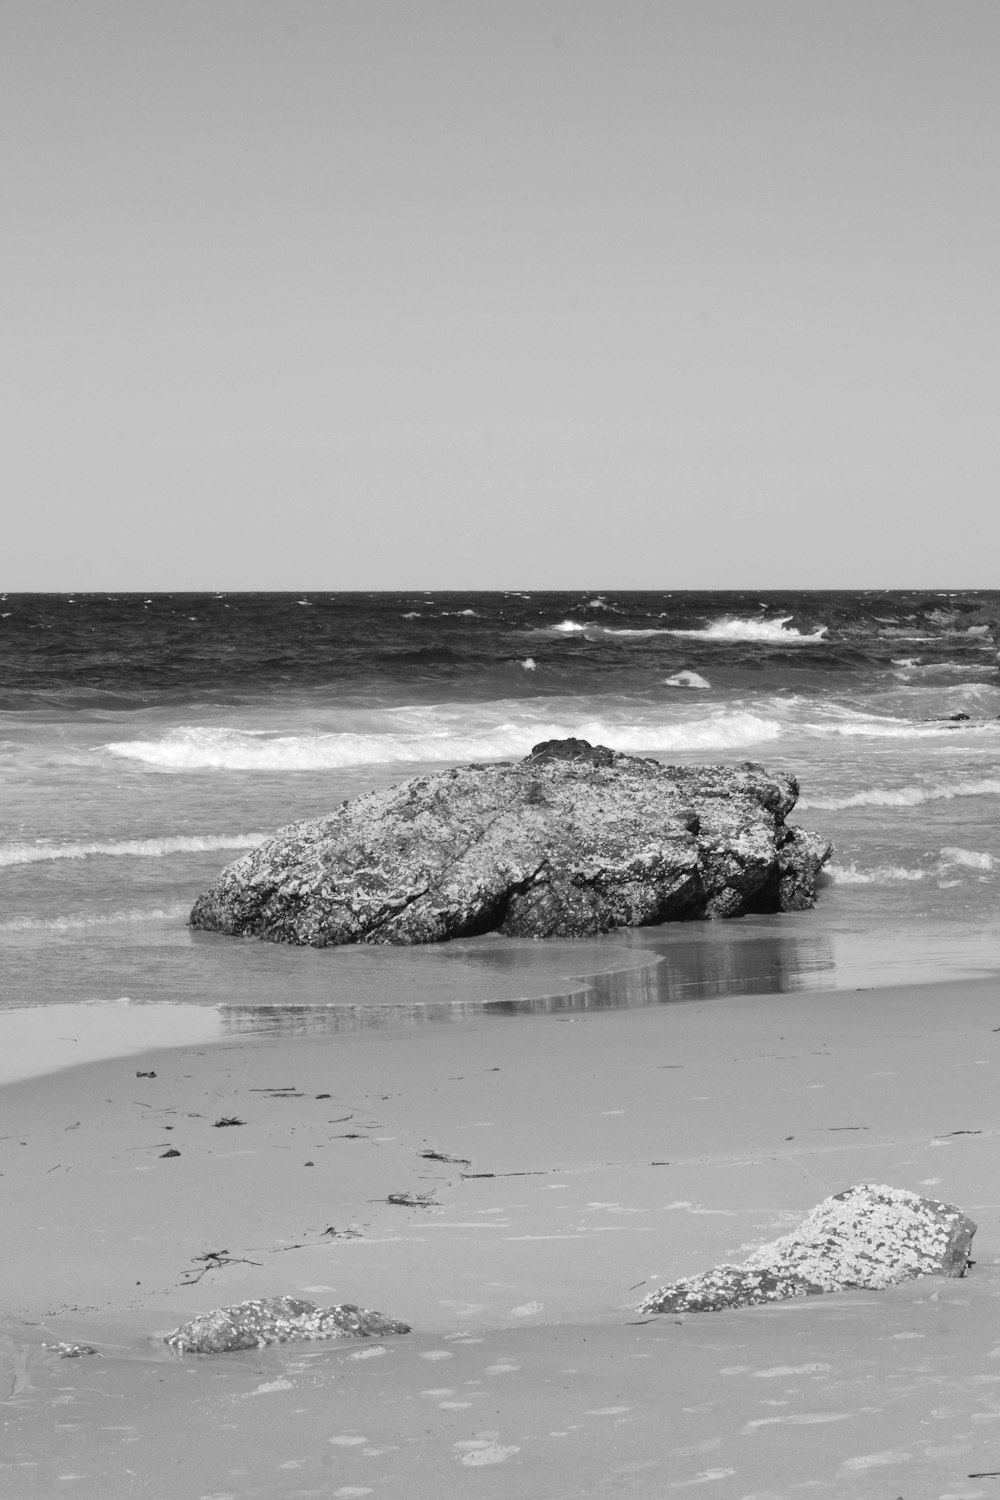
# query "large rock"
(868, 1236)
(574, 840)
(276, 1320)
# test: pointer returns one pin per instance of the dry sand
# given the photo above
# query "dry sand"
(599, 1153)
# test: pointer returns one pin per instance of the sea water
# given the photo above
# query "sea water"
(146, 740)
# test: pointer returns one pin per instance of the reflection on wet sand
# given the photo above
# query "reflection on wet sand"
(659, 970)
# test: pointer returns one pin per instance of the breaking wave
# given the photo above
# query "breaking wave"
(900, 729)
(193, 748)
(969, 859)
(906, 796)
(76, 922)
(606, 632)
(727, 629)
(733, 629)
(950, 858)
(31, 854)
(879, 875)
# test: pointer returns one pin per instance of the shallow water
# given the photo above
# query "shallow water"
(866, 1395)
(146, 740)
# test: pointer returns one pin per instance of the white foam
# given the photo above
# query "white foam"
(730, 628)
(971, 859)
(720, 630)
(200, 748)
(82, 921)
(686, 680)
(895, 729)
(906, 796)
(880, 875)
(625, 630)
(529, 664)
(30, 854)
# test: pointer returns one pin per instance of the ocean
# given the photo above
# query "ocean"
(146, 740)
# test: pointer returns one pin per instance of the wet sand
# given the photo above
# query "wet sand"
(594, 1155)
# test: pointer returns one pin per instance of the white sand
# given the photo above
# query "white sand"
(626, 1147)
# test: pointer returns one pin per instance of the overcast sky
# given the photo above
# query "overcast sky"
(498, 293)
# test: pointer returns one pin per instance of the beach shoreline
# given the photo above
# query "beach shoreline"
(592, 1155)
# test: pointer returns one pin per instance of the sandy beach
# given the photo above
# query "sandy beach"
(578, 1160)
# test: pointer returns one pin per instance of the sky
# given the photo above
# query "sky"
(334, 294)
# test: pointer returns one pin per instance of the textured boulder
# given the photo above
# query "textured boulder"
(276, 1320)
(868, 1236)
(574, 840)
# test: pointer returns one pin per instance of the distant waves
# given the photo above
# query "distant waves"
(726, 629)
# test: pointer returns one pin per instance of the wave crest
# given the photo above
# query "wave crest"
(191, 748)
(879, 875)
(74, 922)
(969, 859)
(31, 854)
(731, 628)
(906, 796)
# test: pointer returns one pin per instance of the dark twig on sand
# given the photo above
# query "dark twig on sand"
(214, 1260)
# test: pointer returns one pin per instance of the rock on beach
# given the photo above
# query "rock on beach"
(277, 1320)
(870, 1236)
(574, 840)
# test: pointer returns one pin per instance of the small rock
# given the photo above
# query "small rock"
(276, 1320)
(868, 1236)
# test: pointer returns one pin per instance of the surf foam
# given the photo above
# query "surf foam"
(879, 875)
(970, 859)
(191, 748)
(731, 628)
(906, 796)
(78, 921)
(30, 854)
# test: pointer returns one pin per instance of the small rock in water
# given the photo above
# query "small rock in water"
(868, 1236)
(276, 1320)
(73, 1351)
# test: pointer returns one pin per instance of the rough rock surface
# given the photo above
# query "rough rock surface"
(868, 1236)
(574, 840)
(275, 1320)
